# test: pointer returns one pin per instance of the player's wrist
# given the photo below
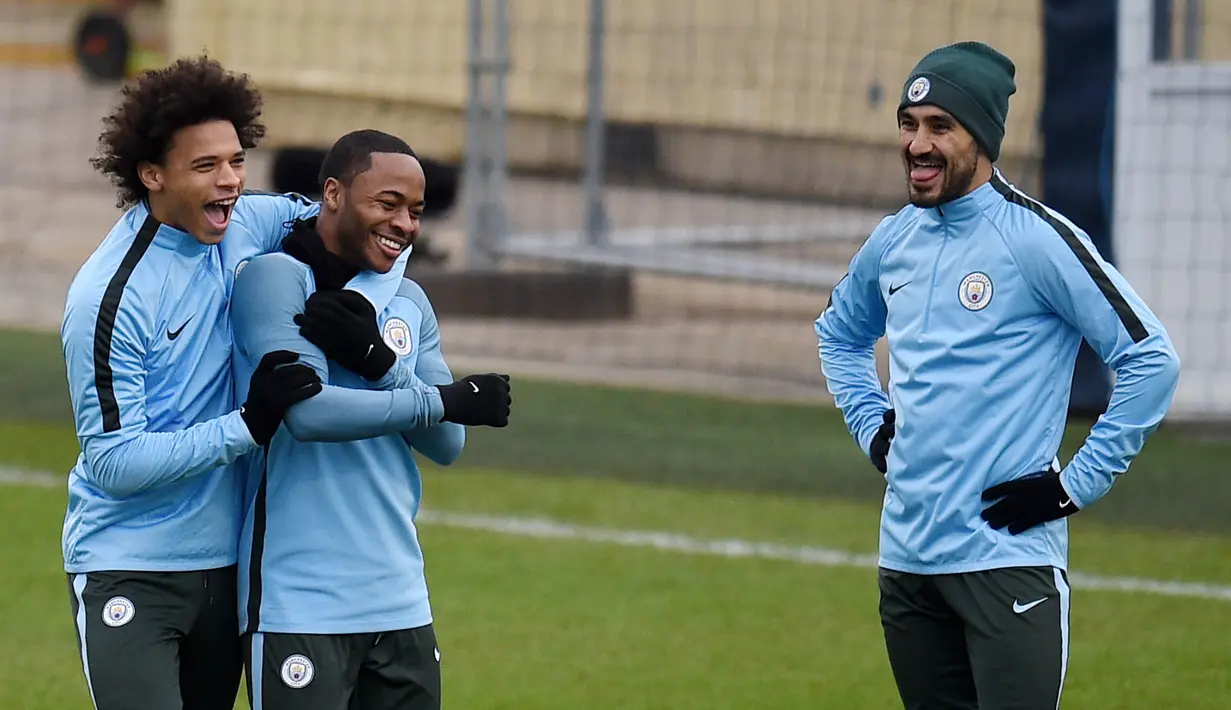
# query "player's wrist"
(241, 429)
(450, 397)
(435, 404)
(1066, 489)
(378, 362)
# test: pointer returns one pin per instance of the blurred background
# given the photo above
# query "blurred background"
(659, 191)
(639, 208)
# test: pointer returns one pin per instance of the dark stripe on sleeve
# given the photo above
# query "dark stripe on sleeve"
(1136, 330)
(258, 551)
(104, 379)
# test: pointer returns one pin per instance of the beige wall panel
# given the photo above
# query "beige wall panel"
(785, 83)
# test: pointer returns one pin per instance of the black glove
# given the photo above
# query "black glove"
(275, 387)
(879, 450)
(477, 400)
(1027, 502)
(343, 325)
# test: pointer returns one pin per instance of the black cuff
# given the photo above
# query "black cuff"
(378, 363)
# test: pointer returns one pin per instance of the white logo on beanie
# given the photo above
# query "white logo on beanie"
(918, 89)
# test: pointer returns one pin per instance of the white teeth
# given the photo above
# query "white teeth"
(389, 243)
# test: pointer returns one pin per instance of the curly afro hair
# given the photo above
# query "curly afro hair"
(162, 102)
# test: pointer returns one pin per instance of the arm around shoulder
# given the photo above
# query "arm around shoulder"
(269, 216)
(268, 295)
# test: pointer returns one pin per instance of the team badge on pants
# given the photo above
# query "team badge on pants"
(297, 671)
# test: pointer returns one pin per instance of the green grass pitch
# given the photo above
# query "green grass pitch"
(528, 622)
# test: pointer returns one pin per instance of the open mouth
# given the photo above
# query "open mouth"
(923, 170)
(218, 213)
(391, 247)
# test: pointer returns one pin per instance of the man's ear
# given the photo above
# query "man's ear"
(981, 156)
(331, 194)
(150, 175)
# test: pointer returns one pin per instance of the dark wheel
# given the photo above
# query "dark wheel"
(102, 45)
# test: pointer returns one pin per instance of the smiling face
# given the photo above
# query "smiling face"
(377, 215)
(195, 186)
(942, 160)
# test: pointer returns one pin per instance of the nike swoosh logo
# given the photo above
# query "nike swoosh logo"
(474, 387)
(1067, 503)
(1019, 608)
(172, 335)
(894, 289)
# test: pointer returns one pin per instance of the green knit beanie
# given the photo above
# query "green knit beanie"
(971, 81)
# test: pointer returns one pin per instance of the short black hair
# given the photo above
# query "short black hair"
(352, 154)
(163, 101)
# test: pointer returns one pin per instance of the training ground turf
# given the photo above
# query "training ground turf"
(551, 591)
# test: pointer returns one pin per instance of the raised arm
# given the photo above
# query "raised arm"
(269, 216)
(268, 294)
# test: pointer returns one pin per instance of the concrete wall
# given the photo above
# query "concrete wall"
(782, 96)
(1215, 35)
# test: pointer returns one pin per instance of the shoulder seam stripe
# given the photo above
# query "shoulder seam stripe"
(1132, 323)
(104, 326)
(292, 196)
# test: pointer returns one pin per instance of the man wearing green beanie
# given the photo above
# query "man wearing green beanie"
(984, 296)
(964, 86)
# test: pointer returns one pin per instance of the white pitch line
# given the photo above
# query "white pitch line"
(33, 479)
(550, 529)
(544, 529)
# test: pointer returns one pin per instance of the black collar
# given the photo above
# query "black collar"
(331, 272)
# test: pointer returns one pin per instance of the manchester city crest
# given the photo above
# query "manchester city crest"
(297, 671)
(118, 611)
(976, 291)
(397, 336)
(918, 89)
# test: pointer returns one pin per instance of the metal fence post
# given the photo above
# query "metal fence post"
(1192, 30)
(595, 210)
(486, 166)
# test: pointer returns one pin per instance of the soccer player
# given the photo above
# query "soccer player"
(150, 535)
(984, 295)
(334, 602)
